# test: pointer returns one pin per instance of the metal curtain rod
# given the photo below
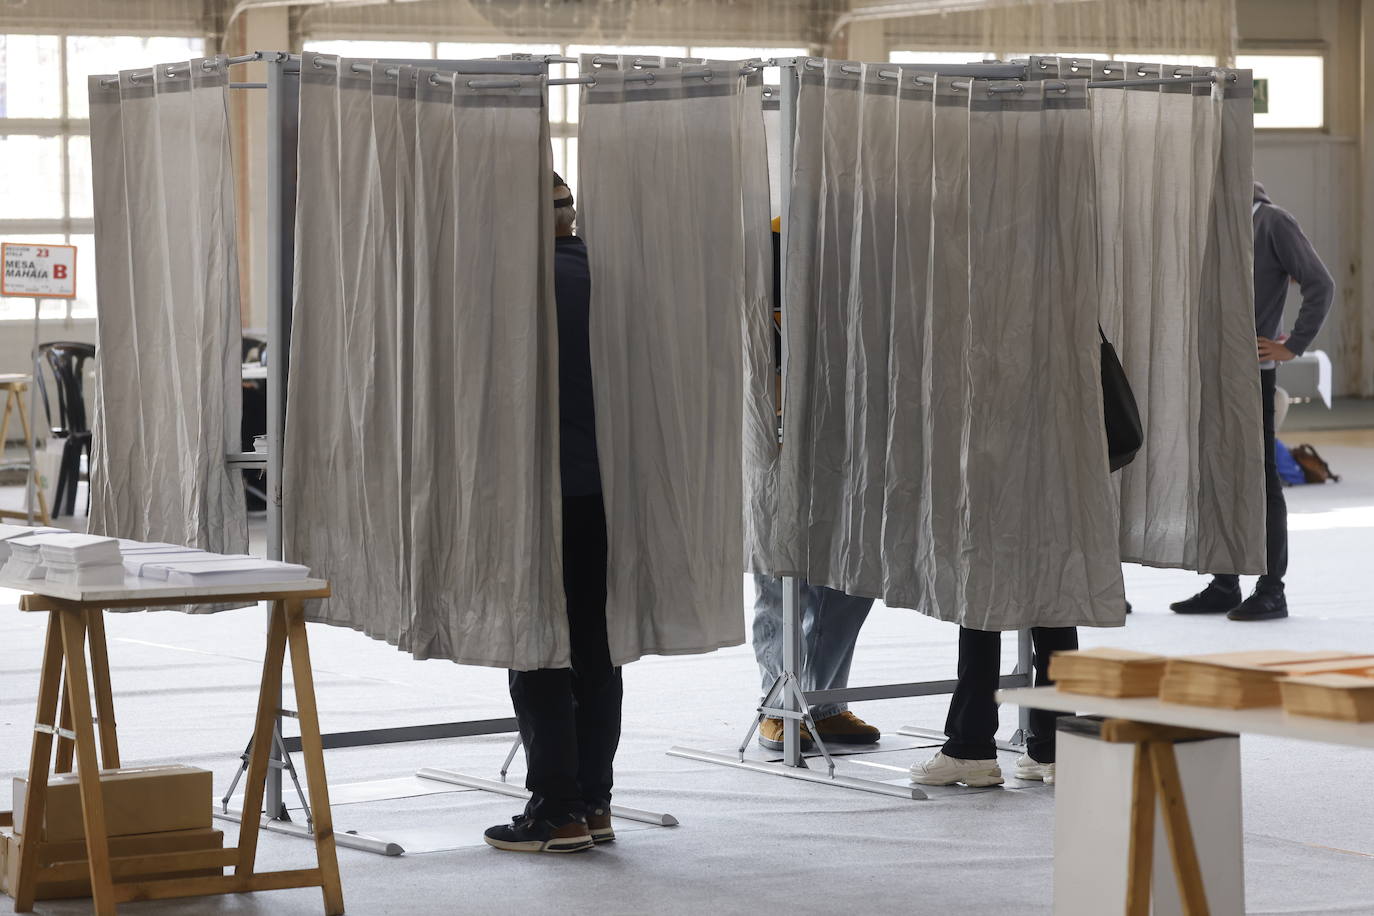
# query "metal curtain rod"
(452, 79)
(208, 65)
(645, 77)
(1063, 86)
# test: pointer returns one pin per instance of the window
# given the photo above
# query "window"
(45, 144)
(563, 100)
(1289, 89)
(939, 57)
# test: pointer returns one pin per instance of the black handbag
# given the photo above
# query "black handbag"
(1125, 435)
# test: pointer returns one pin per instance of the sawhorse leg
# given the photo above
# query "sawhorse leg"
(87, 765)
(104, 704)
(40, 758)
(64, 671)
(14, 395)
(1156, 776)
(287, 626)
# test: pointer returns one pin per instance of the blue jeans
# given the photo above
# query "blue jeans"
(831, 622)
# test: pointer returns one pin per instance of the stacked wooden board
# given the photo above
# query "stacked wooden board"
(1347, 697)
(1108, 672)
(1330, 684)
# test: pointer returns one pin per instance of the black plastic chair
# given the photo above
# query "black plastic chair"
(253, 421)
(67, 362)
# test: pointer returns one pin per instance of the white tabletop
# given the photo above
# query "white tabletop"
(156, 591)
(1267, 721)
(254, 371)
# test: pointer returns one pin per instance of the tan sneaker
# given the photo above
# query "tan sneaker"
(770, 735)
(599, 825)
(847, 728)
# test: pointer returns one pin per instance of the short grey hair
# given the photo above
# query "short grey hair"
(563, 217)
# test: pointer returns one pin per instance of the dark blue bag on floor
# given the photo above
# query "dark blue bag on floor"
(1290, 472)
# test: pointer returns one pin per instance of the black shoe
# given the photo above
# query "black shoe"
(1213, 599)
(526, 834)
(1128, 607)
(1263, 604)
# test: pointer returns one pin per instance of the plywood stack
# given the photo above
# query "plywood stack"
(1108, 672)
(1345, 697)
(1247, 680)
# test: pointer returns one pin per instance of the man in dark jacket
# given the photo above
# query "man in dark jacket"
(570, 717)
(1282, 255)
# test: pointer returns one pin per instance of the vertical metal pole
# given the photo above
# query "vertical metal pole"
(791, 665)
(31, 491)
(283, 104)
(791, 587)
(1024, 665)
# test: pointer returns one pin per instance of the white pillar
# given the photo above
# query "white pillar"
(867, 41)
(266, 29)
(1364, 327)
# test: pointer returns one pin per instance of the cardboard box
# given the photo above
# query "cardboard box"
(137, 800)
(75, 850)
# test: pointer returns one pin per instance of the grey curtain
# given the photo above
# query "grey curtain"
(1173, 167)
(421, 462)
(167, 393)
(671, 170)
(943, 441)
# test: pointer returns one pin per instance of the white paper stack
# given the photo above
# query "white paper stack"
(234, 571)
(161, 568)
(137, 563)
(25, 561)
(82, 559)
(10, 532)
(127, 546)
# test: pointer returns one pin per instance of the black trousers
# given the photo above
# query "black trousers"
(1276, 507)
(570, 718)
(971, 727)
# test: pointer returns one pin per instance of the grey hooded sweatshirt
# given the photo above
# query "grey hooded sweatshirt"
(1283, 253)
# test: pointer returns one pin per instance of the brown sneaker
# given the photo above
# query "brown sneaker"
(847, 728)
(525, 834)
(599, 825)
(770, 735)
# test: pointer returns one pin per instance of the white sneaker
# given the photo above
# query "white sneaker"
(946, 771)
(1027, 767)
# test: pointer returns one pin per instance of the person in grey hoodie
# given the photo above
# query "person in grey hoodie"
(1282, 255)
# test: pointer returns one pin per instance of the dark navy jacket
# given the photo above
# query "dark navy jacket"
(576, 406)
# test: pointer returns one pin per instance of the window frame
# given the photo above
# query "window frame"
(1297, 50)
(65, 127)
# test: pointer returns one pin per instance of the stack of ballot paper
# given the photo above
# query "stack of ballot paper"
(1245, 680)
(10, 532)
(82, 559)
(229, 571)
(1107, 672)
(25, 561)
(127, 546)
(1347, 697)
(136, 562)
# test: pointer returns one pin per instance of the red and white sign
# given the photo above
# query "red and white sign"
(38, 271)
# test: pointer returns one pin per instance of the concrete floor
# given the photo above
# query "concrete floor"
(747, 843)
